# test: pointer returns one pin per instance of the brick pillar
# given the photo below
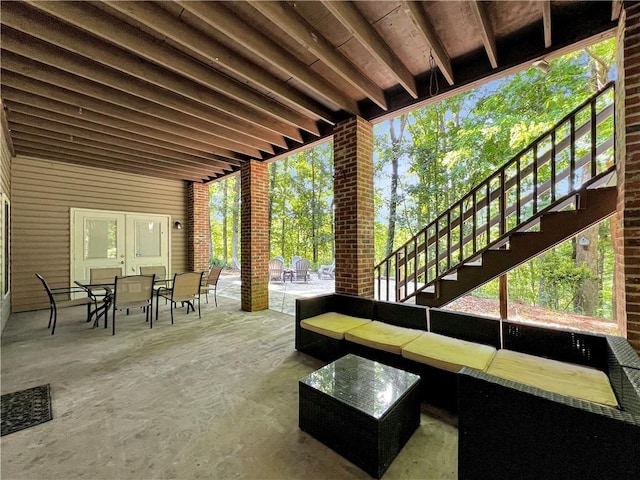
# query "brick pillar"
(353, 199)
(254, 236)
(627, 244)
(198, 227)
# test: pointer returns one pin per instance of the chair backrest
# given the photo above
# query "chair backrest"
(46, 287)
(294, 261)
(133, 289)
(104, 275)
(214, 275)
(279, 257)
(275, 268)
(186, 285)
(159, 271)
(302, 267)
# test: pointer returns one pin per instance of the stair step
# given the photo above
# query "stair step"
(525, 227)
(571, 201)
(499, 244)
(451, 276)
(477, 263)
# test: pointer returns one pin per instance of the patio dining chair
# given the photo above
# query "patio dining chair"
(211, 283)
(301, 270)
(63, 300)
(185, 289)
(134, 291)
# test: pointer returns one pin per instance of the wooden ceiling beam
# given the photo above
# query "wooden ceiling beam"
(220, 18)
(146, 80)
(236, 99)
(99, 161)
(546, 22)
(17, 62)
(616, 8)
(57, 131)
(416, 13)
(305, 34)
(349, 16)
(486, 31)
(116, 120)
(90, 150)
(196, 41)
(42, 118)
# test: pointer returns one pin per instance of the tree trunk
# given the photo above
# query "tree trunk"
(272, 186)
(396, 142)
(225, 212)
(236, 221)
(314, 203)
(588, 295)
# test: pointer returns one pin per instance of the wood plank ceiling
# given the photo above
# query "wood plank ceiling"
(191, 90)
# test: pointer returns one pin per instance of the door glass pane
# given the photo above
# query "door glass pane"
(147, 239)
(100, 238)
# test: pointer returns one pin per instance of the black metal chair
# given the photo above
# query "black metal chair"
(64, 301)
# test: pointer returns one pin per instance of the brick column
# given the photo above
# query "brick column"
(627, 244)
(254, 236)
(198, 227)
(353, 199)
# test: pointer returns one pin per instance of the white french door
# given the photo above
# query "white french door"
(117, 239)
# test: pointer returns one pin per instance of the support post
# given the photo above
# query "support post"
(353, 199)
(627, 238)
(254, 236)
(198, 227)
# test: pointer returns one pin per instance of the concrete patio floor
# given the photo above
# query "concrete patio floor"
(215, 397)
(282, 296)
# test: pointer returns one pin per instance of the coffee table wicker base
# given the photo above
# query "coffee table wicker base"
(368, 442)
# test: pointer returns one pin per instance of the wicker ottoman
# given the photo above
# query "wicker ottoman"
(364, 410)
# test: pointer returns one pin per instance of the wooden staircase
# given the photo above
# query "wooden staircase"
(594, 205)
(548, 193)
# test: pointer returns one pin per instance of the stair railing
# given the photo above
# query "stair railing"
(544, 176)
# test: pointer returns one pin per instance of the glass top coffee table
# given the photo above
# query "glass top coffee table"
(364, 410)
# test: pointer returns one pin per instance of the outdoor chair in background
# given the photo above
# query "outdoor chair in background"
(294, 260)
(327, 270)
(279, 257)
(211, 283)
(160, 271)
(276, 267)
(64, 300)
(184, 289)
(301, 270)
(134, 291)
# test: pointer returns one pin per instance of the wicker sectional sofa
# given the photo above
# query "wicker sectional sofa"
(538, 427)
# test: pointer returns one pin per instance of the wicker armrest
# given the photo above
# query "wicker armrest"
(510, 430)
(621, 352)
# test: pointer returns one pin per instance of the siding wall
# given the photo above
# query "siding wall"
(5, 187)
(43, 193)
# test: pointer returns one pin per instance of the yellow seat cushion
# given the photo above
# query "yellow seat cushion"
(332, 324)
(382, 336)
(448, 353)
(559, 377)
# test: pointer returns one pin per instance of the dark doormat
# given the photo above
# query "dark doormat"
(24, 409)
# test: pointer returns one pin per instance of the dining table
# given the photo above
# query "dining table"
(94, 291)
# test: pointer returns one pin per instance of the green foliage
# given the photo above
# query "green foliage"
(560, 278)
